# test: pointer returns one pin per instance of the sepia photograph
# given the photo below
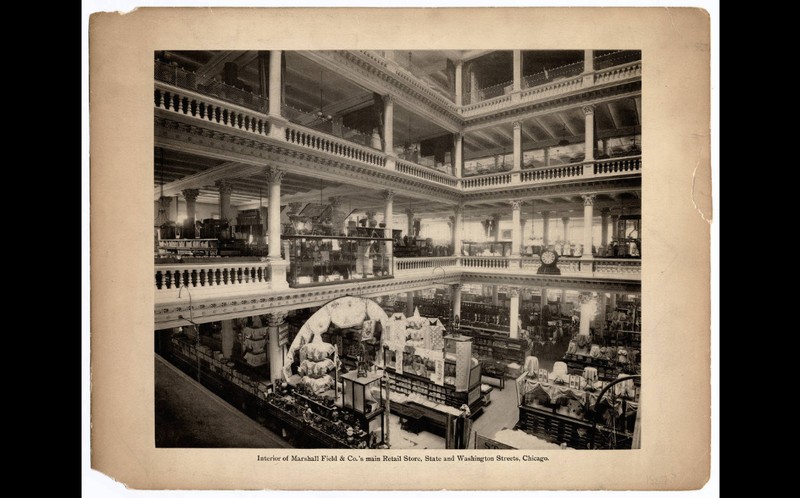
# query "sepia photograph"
(400, 249)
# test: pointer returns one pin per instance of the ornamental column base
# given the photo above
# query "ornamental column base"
(277, 273)
(587, 263)
(277, 127)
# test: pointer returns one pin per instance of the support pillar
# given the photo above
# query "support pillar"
(545, 228)
(456, 300)
(388, 125)
(275, 89)
(459, 82)
(189, 226)
(565, 233)
(276, 263)
(457, 228)
(275, 350)
(604, 214)
(225, 190)
(388, 215)
(588, 215)
(517, 56)
(517, 146)
(516, 227)
(588, 67)
(588, 165)
(588, 309)
(513, 313)
(473, 86)
(458, 161)
(410, 303)
(410, 226)
(228, 338)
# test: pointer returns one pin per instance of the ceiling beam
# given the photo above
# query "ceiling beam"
(543, 127)
(231, 169)
(528, 133)
(612, 113)
(214, 66)
(566, 123)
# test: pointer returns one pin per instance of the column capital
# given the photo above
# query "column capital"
(565, 219)
(388, 99)
(546, 214)
(224, 186)
(388, 195)
(459, 63)
(410, 211)
(275, 319)
(455, 287)
(274, 174)
(513, 292)
(588, 109)
(517, 125)
(605, 211)
(458, 209)
(614, 217)
(516, 204)
(451, 220)
(588, 199)
(190, 194)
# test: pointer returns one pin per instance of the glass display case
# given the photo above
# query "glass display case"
(317, 259)
(364, 396)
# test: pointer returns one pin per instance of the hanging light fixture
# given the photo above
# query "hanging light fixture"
(320, 114)
(563, 142)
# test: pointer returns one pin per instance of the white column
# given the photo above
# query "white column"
(588, 207)
(496, 219)
(588, 61)
(614, 223)
(275, 89)
(588, 111)
(516, 227)
(275, 351)
(495, 296)
(190, 195)
(274, 176)
(587, 313)
(456, 300)
(604, 214)
(563, 296)
(459, 82)
(473, 86)
(613, 301)
(565, 229)
(459, 150)
(517, 70)
(517, 146)
(513, 313)
(225, 190)
(601, 317)
(410, 220)
(388, 124)
(388, 214)
(545, 228)
(228, 337)
(457, 228)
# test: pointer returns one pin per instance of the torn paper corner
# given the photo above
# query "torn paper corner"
(701, 194)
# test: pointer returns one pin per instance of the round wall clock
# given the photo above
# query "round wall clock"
(549, 259)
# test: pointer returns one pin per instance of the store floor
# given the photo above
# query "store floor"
(190, 416)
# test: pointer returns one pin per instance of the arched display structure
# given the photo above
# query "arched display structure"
(344, 312)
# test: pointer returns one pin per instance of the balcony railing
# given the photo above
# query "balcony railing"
(552, 75)
(206, 108)
(424, 172)
(606, 268)
(424, 263)
(603, 168)
(179, 77)
(222, 275)
(488, 181)
(323, 142)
